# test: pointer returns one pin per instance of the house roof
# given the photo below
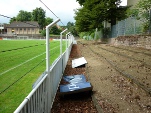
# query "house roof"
(27, 24)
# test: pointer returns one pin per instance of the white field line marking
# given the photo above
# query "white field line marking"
(24, 62)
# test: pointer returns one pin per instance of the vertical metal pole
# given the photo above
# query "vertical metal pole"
(61, 48)
(96, 30)
(49, 99)
(72, 39)
(60, 44)
(61, 41)
(117, 29)
(66, 39)
(150, 21)
(134, 26)
(125, 28)
(48, 65)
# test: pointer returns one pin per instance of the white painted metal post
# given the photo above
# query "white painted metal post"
(69, 39)
(48, 62)
(124, 27)
(66, 39)
(72, 39)
(134, 25)
(61, 41)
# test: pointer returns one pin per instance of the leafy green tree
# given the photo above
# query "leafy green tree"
(70, 24)
(48, 20)
(23, 16)
(71, 28)
(144, 13)
(81, 2)
(94, 12)
(83, 20)
(38, 15)
(55, 30)
(12, 19)
(43, 32)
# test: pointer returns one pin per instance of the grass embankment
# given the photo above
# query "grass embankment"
(21, 63)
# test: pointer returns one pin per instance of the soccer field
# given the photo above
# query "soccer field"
(21, 63)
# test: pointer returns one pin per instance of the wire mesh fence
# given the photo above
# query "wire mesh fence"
(129, 26)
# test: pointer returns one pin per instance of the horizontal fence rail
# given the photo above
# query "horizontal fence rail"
(40, 99)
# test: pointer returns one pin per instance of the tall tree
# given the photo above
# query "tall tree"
(71, 28)
(94, 12)
(55, 30)
(81, 2)
(48, 21)
(144, 13)
(12, 19)
(38, 15)
(83, 20)
(69, 24)
(23, 16)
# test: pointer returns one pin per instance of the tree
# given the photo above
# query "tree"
(82, 20)
(48, 21)
(70, 24)
(71, 28)
(43, 32)
(38, 15)
(23, 16)
(12, 19)
(81, 2)
(116, 12)
(94, 12)
(144, 13)
(55, 30)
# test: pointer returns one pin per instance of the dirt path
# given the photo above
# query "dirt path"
(114, 93)
(74, 103)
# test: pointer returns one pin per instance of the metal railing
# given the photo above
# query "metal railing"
(40, 99)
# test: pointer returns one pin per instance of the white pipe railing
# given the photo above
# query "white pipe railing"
(61, 40)
(49, 80)
(40, 99)
(67, 39)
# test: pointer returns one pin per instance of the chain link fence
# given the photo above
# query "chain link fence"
(129, 26)
(132, 26)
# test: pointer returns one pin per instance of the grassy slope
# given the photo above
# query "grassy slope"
(14, 95)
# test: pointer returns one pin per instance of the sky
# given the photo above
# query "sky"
(64, 9)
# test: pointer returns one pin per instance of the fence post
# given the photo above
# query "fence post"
(150, 21)
(61, 41)
(66, 39)
(48, 64)
(134, 25)
(69, 37)
(124, 27)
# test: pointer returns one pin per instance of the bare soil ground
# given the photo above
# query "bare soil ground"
(114, 92)
(73, 103)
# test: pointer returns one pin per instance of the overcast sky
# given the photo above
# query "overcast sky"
(62, 8)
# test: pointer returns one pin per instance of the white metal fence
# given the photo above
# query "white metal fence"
(40, 99)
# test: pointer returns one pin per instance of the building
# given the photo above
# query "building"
(23, 28)
(3, 28)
